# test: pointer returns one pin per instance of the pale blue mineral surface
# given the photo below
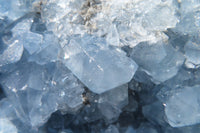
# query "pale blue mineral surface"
(99, 66)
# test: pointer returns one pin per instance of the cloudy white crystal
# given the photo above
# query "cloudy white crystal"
(112, 19)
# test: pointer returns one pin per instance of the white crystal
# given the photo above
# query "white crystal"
(122, 22)
(6, 126)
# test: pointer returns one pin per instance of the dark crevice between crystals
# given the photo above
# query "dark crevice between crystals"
(135, 118)
(38, 26)
(177, 40)
(58, 122)
(2, 94)
(128, 50)
(55, 123)
(77, 123)
(85, 98)
(8, 28)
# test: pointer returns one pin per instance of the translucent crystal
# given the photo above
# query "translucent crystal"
(12, 53)
(146, 128)
(48, 49)
(122, 22)
(189, 5)
(130, 130)
(6, 126)
(159, 60)
(31, 42)
(31, 82)
(70, 88)
(112, 129)
(7, 110)
(192, 50)
(155, 112)
(189, 21)
(12, 9)
(109, 112)
(117, 97)
(182, 107)
(6, 115)
(97, 66)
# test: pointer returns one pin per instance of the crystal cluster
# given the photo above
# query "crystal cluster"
(99, 66)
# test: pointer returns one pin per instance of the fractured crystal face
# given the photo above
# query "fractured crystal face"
(146, 128)
(48, 49)
(7, 114)
(11, 9)
(159, 60)
(117, 97)
(12, 53)
(130, 21)
(111, 102)
(182, 107)
(31, 82)
(192, 53)
(99, 67)
(7, 126)
(112, 129)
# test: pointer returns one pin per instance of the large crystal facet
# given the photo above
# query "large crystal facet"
(182, 107)
(99, 67)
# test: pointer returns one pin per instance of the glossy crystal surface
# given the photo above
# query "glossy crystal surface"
(99, 66)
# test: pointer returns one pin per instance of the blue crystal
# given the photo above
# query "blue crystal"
(12, 53)
(159, 60)
(182, 107)
(99, 67)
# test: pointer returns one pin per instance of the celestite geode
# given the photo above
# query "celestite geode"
(99, 66)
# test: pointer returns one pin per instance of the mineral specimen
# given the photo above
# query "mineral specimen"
(99, 66)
